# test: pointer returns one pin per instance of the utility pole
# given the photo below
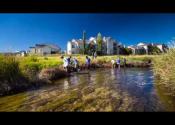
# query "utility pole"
(84, 41)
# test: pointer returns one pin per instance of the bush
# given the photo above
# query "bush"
(153, 50)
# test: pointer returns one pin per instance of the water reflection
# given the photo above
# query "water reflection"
(139, 83)
(66, 84)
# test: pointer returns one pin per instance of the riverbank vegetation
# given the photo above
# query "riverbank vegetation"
(40, 62)
(20, 73)
(164, 70)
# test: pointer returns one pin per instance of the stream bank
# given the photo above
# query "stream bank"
(36, 79)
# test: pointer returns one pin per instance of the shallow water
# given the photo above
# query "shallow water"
(137, 83)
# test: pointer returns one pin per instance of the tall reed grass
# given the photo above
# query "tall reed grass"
(164, 69)
(9, 69)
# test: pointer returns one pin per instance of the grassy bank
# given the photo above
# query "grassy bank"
(164, 70)
(20, 74)
(11, 77)
(40, 62)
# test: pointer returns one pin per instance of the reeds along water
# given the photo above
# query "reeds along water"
(9, 68)
(164, 68)
(11, 77)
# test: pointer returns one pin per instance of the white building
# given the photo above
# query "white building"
(142, 48)
(74, 46)
(133, 49)
(43, 49)
(109, 45)
(162, 47)
(21, 53)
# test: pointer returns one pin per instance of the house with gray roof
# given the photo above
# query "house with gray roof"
(44, 49)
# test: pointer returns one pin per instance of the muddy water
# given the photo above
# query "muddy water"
(130, 89)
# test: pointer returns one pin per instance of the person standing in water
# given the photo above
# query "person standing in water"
(113, 63)
(124, 62)
(88, 62)
(95, 55)
(70, 63)
(118, 62)
(65, 63)
(75, 63)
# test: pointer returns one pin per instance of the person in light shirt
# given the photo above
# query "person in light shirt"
(113, 63)
(65, 63)
(75, 63)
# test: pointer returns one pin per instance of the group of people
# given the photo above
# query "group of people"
(70, 64)
(118, 62)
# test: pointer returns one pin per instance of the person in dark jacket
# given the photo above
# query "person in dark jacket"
(88, 62)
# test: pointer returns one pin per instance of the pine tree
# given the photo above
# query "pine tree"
(99, 43)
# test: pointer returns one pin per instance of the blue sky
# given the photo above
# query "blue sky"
(20, 31)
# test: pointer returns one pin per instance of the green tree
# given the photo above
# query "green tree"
(128, 51)
(81, 51)
(125, 51)
(99, 43)
(91, 49)
(153, 50)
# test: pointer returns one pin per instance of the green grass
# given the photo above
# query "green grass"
(11, 67)
(40, 62)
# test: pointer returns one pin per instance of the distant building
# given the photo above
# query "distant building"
(162, 47)
(21, 53)
(142, 48)
(75, 46)
(109, 45)
(44, 49)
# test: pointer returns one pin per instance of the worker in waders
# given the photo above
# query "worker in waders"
(75, 64)
(113, 63)
(65, 63)
(118, 63)
(88, 62)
